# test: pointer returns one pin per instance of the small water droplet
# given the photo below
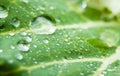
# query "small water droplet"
(24, 33)
(46, 41)
(52, 7)
(1, 51)
(84, 4)
(36, 62)
(3, 12)
(15, 22)
(80, 57)
(11, 34)
(42, 8)
(25, 1)
(19, 56)
(28, 39)
(35, 46)
(109, 37)
(82, 74)
(42, 25)
(12, 47)
(10, 61)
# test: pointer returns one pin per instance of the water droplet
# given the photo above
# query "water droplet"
(1, 51)
(42, 25)
(10, 61)
(23, 47)
(12, 47)
(3, 12)
(11, 34)
(36, 62)
(84, 4)
(82, 74)
(15, 22)
(35, 46)
(25, 1)
(109, 37)
(24, 33)
(28, 39)
(41, 8)
(80, 57)
(52, 7)
(46, 41)
(19, 56)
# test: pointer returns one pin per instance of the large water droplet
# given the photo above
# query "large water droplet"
(19, 56)
(109, 37)
(3, 12)
(15, 22)
(42, 25)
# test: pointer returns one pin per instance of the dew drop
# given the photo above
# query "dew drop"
(109, 37)
(19, 56)
(46, 41)
(42, 25)
(12, 47)
(35, 46)
(1, 51)
(28, 39)
(23, 47)
(24, 33)
(25, 1)
(10, 61)
(15, 22)
(84, 4)
(36, 62)
(11, 34)
(52, 7)
(3, 12)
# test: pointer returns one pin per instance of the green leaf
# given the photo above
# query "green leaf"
(57, 38)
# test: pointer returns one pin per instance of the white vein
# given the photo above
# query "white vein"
(30, 68)
(108, 61)
(85, 25)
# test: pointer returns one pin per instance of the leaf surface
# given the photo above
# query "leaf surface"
(57, 38)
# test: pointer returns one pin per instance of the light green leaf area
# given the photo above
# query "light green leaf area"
(57, 38)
